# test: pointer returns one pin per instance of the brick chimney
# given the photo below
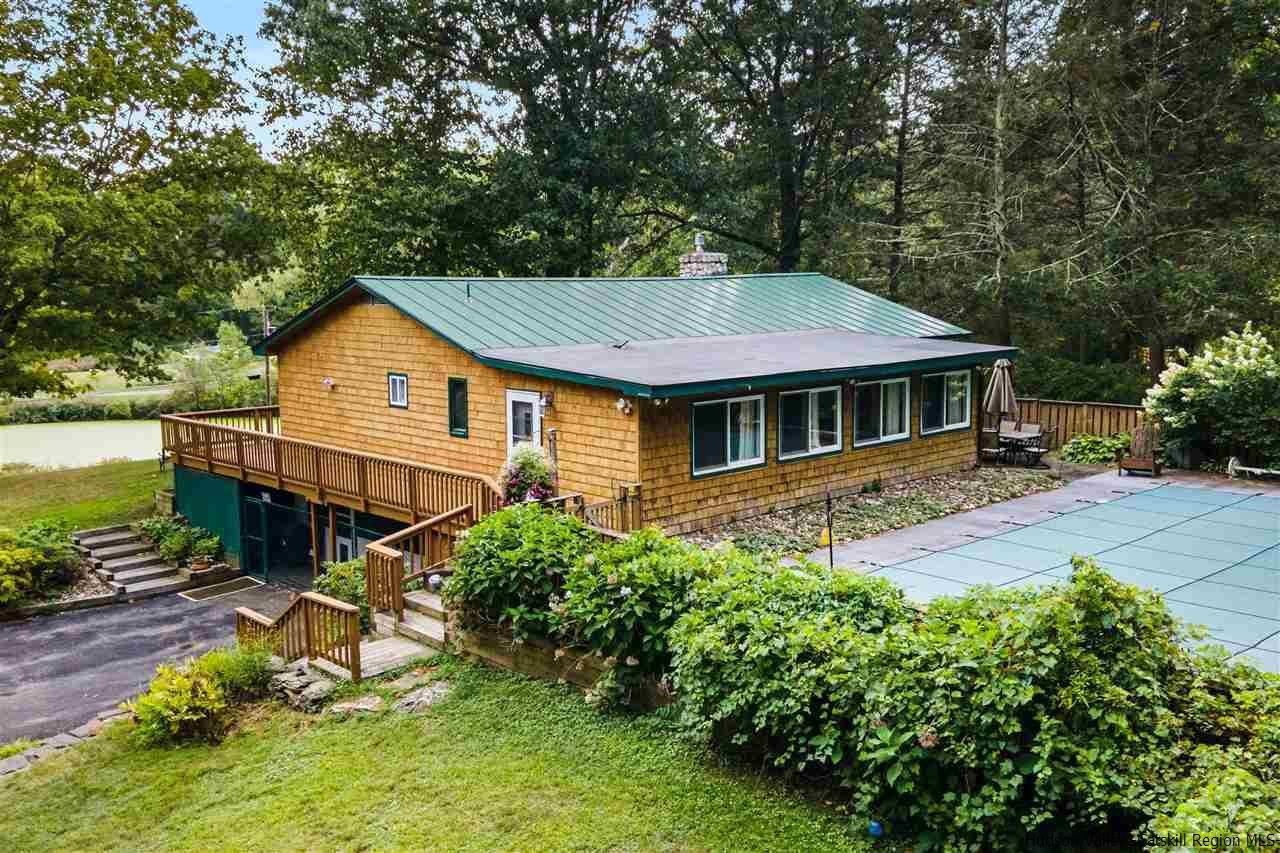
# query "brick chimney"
(700, 263)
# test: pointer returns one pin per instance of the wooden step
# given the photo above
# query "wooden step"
(156, 586)
(112, 552)
(110, 568)
(103, 540)
(97, 531)
(427, 603)
(377, 657)
(422, 628)
(145, 573)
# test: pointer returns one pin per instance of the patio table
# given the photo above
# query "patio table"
(1018, 441)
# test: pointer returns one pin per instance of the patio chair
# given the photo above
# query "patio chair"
(1037, 448)
(1007, 427)
(990, 449)
(1144, 452)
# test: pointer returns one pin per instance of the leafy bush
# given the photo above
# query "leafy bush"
(158, 527)
(207, 546)
(177, 543)
(17, 568)
(194, 701)
(991, 716)
(33, 559)
(527, 475)
(622, 600)
(1224, 401)
(346, 582)
(507, 567)
(775, 659)
(1095, 449)
(1054, 378)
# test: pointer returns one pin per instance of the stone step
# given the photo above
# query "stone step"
(422, 628)
(110, 568)
(427, 603)
(103, 540)
(97, 531)
(135, 576)
(111, 552)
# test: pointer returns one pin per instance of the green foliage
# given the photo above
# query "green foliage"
(157, 527)
(989, 716)
(81, 498)
(622, 599)
(194, 701)
(17, 569)
(507, 567)
(33, 559)
(243, 393)
(346, 582)
(1225, 401)
(1054, 378)
(180, 542)
(207, 546)
(1095, 449)
(526, 475)
(775, 658)
(119, 132)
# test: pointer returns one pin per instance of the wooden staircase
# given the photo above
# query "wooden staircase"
(131, 566)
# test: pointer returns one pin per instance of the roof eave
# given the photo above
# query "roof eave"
(752, 383)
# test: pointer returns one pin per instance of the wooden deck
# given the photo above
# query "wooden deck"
(247, 444)
(377, 657)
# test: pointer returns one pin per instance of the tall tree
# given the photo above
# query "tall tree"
(519, 127)
(794, 102)
(126, 193)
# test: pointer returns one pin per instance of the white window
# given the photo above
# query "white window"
(728, 434)
(524, 418)
(881, 411)
(398, 390)
(809, 422)
(944, 401)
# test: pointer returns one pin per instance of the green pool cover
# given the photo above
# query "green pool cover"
(1215, 555)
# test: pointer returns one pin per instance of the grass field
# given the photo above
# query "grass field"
(110, 493)
(502, 763)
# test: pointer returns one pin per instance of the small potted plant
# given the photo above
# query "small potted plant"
(204, 552)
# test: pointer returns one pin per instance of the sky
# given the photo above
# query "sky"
(240, 18)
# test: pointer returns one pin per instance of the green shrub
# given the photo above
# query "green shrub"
(158, 527)
(775, 659)
(992, 716)
(17, 566)
(1095, 449)
(346, 582)
(180, 704)
(177, 543)
(207, 546)
(1223, 402)
(622, 599)
(35, 558)
(195, 701)
(527, 475)
(507, 567)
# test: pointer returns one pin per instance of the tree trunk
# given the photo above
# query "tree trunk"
(898, 220)
(999, 201)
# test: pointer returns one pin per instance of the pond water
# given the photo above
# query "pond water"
(71, 445)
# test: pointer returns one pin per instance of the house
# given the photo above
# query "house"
(690, 401)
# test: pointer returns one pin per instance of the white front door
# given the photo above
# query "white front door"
(524, 418)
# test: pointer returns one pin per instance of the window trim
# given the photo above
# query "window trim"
(968, 395)
(741, 465)
(391, 402)
(838, 447)
(883, 439)
(462, 431)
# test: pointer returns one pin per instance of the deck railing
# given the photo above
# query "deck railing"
(312, 626)
(618, 515)
(409, 555)
(396, 488)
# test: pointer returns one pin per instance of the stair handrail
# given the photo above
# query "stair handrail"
(312, 626)
(384, 563)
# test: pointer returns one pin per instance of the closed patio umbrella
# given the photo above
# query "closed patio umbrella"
(1000, 399)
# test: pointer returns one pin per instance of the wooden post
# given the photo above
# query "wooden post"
(308, 640)
(364, 481)
(353, 639)
(315, 540)
(333, 533)
(413, 495)
(279, 463)
(240, 452)
(315, 463)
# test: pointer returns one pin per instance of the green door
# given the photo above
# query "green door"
(253, 539)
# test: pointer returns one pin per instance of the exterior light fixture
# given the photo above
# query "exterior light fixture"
(624, 405)
(328, 383)
(546, 400)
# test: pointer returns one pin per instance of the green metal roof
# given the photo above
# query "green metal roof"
(487, 314)
(523, 312)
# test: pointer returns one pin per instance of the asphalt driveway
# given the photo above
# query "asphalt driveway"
(58, 671)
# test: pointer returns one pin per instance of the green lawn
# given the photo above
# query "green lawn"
(502, 763)
(111, 493)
